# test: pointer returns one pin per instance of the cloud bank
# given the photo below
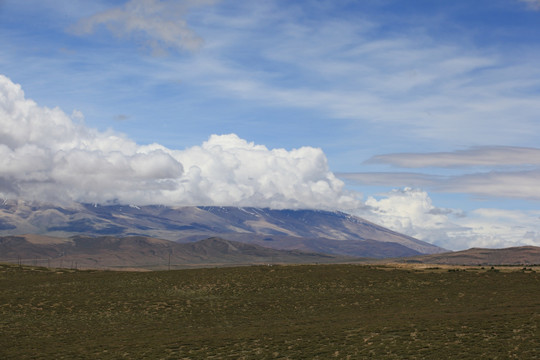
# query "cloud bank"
(46, 155)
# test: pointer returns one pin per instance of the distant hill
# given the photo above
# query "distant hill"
(139, 252)
(522, 255)
(144, 252)
(329, 232)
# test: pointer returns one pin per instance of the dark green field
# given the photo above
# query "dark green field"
(263, 312)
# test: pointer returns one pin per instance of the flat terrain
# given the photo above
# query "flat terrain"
(271, 312)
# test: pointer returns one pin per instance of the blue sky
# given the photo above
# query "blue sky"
(423, 116)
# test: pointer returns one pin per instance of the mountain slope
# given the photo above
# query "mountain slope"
(309, 230)
(360, 248)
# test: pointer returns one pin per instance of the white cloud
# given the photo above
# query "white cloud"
(160, 24)
(235, 171)
(45, 155)
(498, 228)
(412, 212)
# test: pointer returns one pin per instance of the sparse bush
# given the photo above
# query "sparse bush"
(314, 312)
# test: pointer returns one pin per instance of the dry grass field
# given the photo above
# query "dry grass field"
(271, 312)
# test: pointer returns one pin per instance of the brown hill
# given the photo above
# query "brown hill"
(359, 248)
(522, 255)
(145, 252)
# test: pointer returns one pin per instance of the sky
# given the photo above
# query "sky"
(422, 115)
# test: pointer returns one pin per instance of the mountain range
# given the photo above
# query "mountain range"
(157, 237)
(312, 231)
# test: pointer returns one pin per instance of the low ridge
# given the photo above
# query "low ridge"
(143, 252)
(520, 255)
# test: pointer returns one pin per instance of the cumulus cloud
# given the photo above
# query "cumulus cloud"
(47, 155)
(160, 24)
(496, 228)
(235, 171)
(476, 156)
(411, 211)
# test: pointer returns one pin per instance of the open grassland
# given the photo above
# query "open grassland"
(270, 312)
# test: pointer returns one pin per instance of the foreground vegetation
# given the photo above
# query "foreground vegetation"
(266, 312)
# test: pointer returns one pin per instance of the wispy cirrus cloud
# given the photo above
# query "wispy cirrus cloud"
(488, 171)
(352, 73)
(533, 4)
(159, 24)
(446, 92)
(394, 179)
(476, 156)
(495, 184)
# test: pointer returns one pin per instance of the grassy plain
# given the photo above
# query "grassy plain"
(270, 312)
